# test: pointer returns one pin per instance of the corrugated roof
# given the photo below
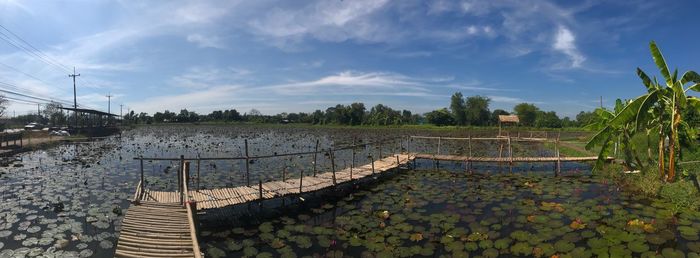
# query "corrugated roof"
(508, 118)
(88, 111)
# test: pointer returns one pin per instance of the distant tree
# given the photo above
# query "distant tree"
(53, 113)
(496, 113)
(477, 110)
(317, 117)
(567, 122)
(357, 113)
(254, 112)
(440, 117)
(527, 113)
(458, 108)
(547, 120)
(585, 118)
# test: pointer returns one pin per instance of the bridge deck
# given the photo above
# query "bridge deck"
(151, 229)
(506, 159)
(222, 197)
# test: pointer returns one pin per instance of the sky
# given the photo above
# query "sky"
(299, 56)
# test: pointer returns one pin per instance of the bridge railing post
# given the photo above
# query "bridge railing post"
(199, 162)
(142, 181)
(352, 162)
(315, 156)
(372, 159)
(247, 164)
(333, 165)
(180, 182)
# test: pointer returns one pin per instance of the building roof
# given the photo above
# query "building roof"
(88, 111)
(508, 119)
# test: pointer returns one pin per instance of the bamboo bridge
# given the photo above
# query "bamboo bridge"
(164, 223)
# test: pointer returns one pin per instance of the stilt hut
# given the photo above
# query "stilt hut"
(505, 121)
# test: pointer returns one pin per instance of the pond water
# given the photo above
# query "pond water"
(68, 201)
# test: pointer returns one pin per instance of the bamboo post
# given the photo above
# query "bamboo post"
(372, 158)
(439, 143)
(179, 177)
(352, 162)
(380, 149)
(315, 155)
(408, 145)
(301, 181)
(557, 168)
(510, 155)
(260, 191)
(333, 165)
(247, 164)
(284, 174)
(397, 160)
(500, 156)
(142, 182)
(469, 163)
(199, 161)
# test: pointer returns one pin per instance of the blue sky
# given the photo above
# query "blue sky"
(291, 56)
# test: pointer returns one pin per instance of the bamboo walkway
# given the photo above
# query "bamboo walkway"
(222, 197)
(153, 229)
(506, 159)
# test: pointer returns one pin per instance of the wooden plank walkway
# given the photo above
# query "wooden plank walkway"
(506, 159)
(222, 197)
(152, 229)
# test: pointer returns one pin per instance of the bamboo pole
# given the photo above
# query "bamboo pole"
(301, 181)
(142, 182)
(179, 178)
(510, 155)
(333, 166)
(500, 157)
(199, 161)
(247, 164)
(260, 191)
(352, 162)
(469, 162)
(315, 155)
(372, 158)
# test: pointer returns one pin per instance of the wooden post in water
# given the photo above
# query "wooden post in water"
(510, 155)
(469, 162)
(315, 154)
(199, 161)
(301, 181)
(247, 164)
(179, 178)
(352, 162)
(333, 166)
(500, 155)
(260, 201)
(408, 145)
(557, 165)
(142, 182)
(372, 158)
(380, 149)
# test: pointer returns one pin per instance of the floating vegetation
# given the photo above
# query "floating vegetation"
(495, 215)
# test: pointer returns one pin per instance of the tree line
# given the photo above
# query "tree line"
(462, 111)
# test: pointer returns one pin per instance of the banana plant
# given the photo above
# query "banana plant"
(617, 136)
(660, 108)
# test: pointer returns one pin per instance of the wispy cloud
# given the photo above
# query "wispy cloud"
(206, 41)
(565, 42)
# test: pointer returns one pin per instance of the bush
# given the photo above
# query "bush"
(647, 183)
(682, 194)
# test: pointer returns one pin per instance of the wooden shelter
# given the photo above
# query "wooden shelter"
(505, 120)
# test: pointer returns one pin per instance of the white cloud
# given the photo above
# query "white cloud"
(206, 41)
(208, 77)
(510, 100)
(565, 42)
(354, 83)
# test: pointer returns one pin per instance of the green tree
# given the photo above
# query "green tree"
(477, 110)
(527, 113)
(440, 117)
(458, 108)
(547, 120)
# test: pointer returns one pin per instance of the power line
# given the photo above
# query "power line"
(31, 46)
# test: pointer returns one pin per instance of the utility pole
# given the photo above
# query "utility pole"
(109, 104)
(601, 101)
(121, 107)
(75, 99)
